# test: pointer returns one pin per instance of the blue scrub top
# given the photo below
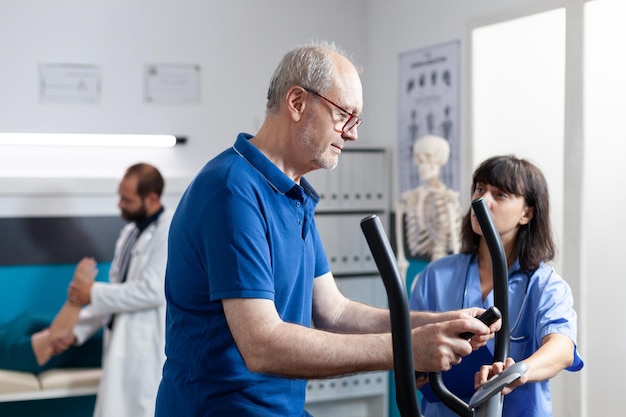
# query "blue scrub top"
(540, 303)
(242, 229)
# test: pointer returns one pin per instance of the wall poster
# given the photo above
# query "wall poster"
(69, 83)
(172, 83)
(429, 103)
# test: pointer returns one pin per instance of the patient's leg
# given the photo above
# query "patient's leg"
(16, 351)
(61, 328)
(42, 346)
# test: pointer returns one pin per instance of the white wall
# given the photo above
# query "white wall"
(237, 43)
(604, 223)
(517, 95)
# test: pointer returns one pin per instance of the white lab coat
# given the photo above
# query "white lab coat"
(134, 350)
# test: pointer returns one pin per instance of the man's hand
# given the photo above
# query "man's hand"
(478, 340)
(421, 380)
(438, 346)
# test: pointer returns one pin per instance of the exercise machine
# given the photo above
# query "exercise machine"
(487, 401)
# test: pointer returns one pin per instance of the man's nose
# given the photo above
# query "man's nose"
(352, 134)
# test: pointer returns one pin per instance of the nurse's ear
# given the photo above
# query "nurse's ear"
(527, 215)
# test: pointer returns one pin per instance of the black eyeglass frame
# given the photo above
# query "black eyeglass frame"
(353, 120)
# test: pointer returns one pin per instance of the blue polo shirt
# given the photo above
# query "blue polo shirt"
(242, 229)
(540, 303)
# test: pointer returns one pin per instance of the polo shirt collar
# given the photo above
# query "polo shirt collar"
(272, 174)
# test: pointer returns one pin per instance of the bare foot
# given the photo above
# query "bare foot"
(85, 271)
(42, 346)
(66, 318)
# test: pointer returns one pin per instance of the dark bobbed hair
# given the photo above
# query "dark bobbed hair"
(534, 242)
(149, 179)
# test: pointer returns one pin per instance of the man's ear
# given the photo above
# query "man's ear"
(296, 102)
(153, 200)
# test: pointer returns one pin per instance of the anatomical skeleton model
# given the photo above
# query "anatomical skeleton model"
(428, 218)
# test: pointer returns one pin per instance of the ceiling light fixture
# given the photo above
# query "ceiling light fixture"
(90, 139)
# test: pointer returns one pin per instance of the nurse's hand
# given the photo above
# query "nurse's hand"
(486, 372)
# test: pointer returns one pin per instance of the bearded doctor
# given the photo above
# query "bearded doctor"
(131, 306)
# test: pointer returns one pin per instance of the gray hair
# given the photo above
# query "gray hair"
(310, 66)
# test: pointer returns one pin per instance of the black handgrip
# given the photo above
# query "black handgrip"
(489, 316)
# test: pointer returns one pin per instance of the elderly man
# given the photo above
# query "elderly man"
(247, 274)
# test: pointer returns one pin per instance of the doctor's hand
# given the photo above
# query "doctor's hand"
(79, 293)
(61, 344)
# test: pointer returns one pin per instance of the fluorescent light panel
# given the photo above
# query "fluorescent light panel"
(88, 139)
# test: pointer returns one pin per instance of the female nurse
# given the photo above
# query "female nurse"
(541, 314)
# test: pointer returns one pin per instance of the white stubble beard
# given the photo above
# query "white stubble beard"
(321, 156)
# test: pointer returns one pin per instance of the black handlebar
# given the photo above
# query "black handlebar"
(501, 301)
(404, 373)
(406, 396)
(500, 276)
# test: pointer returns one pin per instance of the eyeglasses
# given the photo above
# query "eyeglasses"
(353, 120)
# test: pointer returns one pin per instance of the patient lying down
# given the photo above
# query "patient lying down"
(30, 343)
